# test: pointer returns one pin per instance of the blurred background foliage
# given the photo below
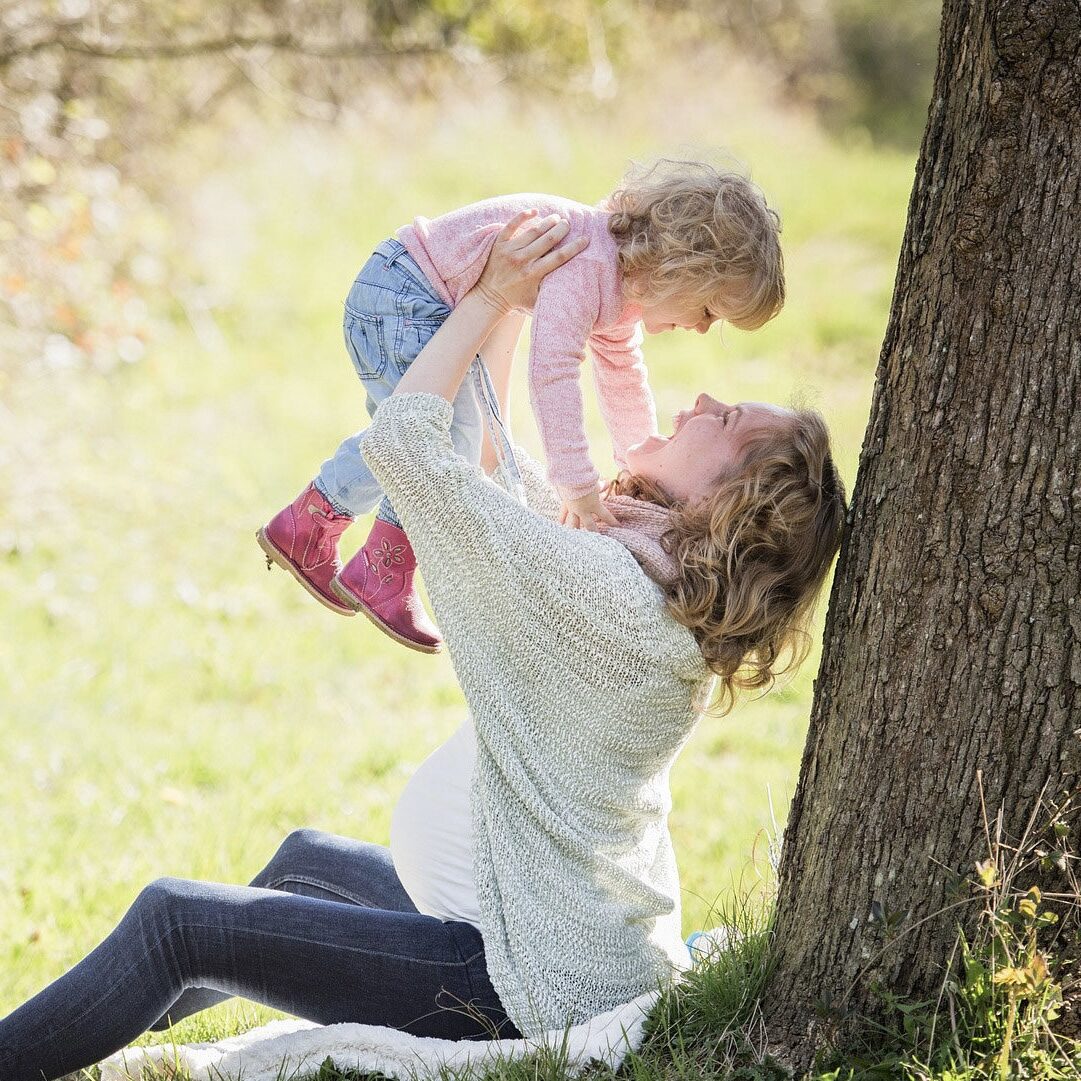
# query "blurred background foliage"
(95, 94)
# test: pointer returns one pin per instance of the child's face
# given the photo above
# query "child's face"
(661, 315)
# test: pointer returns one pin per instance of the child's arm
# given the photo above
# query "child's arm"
(563, 320)
(626, 402)
(583, 512)
(498, 354)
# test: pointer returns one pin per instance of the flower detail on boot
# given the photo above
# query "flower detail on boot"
(389, 554)
(378, 581)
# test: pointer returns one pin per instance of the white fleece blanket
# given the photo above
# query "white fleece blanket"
(292, 1050)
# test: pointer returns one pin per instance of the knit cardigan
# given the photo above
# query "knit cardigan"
(582, 691)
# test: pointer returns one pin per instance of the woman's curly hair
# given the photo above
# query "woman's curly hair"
(686, 229)
(754, 554)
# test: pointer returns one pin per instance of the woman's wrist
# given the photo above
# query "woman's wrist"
(489, 302)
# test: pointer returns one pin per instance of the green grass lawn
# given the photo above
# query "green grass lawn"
(169, 707)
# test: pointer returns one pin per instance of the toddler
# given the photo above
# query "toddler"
(680, 244)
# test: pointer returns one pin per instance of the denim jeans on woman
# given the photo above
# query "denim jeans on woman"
(326, 932)
(391, 313)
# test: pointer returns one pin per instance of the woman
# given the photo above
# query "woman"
(533, 882)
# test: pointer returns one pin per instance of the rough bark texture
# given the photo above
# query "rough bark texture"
(952, 642)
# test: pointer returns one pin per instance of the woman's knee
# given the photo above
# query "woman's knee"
(159, 913)
(164, 895)
(294, 854)
(162, 928)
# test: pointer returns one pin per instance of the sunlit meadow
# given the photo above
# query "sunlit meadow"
(170, 707)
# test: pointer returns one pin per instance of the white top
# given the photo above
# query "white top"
(431, 831)
(583, 690)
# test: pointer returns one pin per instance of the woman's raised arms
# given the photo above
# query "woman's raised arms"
(520, 258)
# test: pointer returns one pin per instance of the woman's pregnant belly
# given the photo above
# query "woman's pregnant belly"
(431, 831)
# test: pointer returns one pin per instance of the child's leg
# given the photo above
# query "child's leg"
(379, 578)
(378, 581)
(369, 328)
(390, 315)
(344, 478)
(303, 537)
(467, 428)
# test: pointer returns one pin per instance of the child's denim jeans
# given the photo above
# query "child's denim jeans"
(390, 314)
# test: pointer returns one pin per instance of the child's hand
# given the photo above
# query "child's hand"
(583, 512)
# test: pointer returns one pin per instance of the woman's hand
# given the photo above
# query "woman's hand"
(521, 256)
(511, 277)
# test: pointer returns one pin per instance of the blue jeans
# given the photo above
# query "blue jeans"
(391, 313)
(326, 932)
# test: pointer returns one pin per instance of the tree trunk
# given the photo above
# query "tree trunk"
(951, 645)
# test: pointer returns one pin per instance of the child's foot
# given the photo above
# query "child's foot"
(303, 539)
(378, 581)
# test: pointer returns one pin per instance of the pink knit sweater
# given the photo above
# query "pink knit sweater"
(581, 302)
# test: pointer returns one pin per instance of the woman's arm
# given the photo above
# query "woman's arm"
(520, 258)
(498, 354)
(441, 365)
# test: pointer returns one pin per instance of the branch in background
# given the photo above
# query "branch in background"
(169, 50)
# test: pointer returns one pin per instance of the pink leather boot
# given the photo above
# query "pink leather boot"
(303, 539)
(378, 581)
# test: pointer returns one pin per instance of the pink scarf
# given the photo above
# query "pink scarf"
(641, 526)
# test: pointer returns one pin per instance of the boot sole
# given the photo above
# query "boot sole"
(273, 553)
(389, 631)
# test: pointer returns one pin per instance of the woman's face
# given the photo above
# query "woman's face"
(708, 441)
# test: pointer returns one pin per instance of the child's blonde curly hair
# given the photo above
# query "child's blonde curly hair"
(686, 229)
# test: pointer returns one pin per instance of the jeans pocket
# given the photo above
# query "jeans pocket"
(411, 337)
(365, 341)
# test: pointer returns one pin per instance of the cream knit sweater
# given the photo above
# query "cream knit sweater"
(582, 691)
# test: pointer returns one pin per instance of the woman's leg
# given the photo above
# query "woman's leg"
(325, 961)
(313, 864)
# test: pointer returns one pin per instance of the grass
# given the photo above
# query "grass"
(993, 1018)
(169, 707)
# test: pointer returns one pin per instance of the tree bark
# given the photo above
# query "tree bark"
(951, 644)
